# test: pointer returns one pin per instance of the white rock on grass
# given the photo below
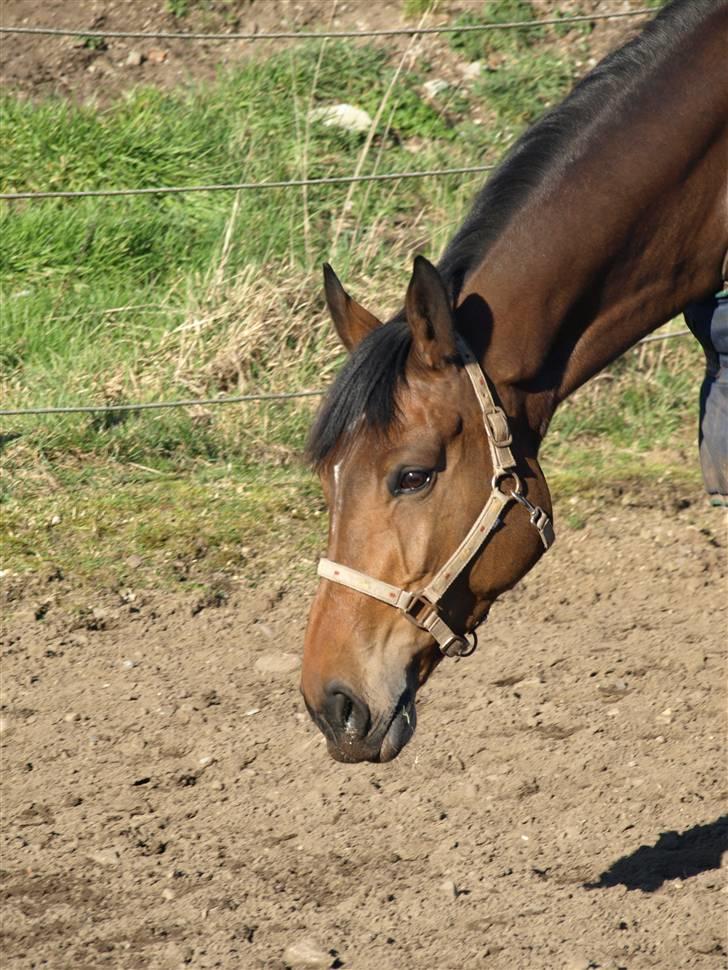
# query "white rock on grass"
(434, 87)
(345, 116)
(473, 70)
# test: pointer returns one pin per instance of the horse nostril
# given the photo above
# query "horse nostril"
(342, 708)
(345, 712)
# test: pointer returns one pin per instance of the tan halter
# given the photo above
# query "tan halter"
(422, 607)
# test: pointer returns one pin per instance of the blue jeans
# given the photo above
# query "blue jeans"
(709, 323)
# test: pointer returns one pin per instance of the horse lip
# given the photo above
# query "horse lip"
(401, 727)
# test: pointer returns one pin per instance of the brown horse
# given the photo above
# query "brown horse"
(604, 221)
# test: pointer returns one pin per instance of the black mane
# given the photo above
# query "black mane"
(367, 385)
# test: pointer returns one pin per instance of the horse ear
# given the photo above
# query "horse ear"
(430, 315)
(352, 321)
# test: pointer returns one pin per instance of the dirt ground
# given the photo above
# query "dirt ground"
(38, 65)
(168, 804)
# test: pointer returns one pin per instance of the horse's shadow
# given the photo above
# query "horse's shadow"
(675, 855)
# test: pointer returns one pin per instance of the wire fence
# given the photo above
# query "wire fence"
(289, 35)
(237, 399)
(241, 186)
(271, 397)
(80, 32)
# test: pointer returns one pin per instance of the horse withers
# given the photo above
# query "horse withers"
(605, 220)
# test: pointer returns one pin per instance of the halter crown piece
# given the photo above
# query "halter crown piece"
(423, 607)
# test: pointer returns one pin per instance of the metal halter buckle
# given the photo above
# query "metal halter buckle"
(459, 647)
(496, 426)
(418, 610)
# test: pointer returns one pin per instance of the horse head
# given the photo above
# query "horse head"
(413, 455)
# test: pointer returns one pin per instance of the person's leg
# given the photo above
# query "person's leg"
(709, 322)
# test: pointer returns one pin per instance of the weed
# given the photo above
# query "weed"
(178, 8)
(417, 8)
(521, 92)
(94, 43)
(474, 45)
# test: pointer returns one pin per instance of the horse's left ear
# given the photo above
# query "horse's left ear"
(429, 315)
(352, 321)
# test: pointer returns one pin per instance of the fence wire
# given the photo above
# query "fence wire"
(238, 399)
(240, 186)
(292, 183)
(325, 34)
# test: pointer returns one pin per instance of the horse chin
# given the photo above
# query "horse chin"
(400, 730)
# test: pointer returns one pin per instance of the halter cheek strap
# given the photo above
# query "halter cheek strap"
(423, 607)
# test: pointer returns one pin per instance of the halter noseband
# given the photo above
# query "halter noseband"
(422, 607)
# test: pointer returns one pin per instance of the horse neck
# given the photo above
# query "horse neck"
(618, 240)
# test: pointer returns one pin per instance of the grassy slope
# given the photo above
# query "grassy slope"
(201, 294)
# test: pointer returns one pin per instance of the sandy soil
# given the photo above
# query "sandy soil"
(167, 802)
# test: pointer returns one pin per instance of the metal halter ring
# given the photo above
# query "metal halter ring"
(495, 482)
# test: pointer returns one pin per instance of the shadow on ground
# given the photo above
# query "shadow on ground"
(675, 855)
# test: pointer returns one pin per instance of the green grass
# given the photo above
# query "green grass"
(195, 295)
(117, 524)
(416, 8)
(475, 45)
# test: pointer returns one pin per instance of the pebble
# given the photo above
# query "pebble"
(434, 87)
(129, 664)
(173, 955)
(473, 70)
(157, 55)
(577, 962)
(72, 716)
(278, 663)
(704, 942)
(105, 857)
(665, 717)
(305, 953)
(448, 889)
(345, 116)
(134, 59)
(169, 894)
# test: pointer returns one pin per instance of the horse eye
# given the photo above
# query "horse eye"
(413, 480)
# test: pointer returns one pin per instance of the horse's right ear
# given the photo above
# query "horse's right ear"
(351, 320)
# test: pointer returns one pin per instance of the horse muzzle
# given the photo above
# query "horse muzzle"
(353, 734)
